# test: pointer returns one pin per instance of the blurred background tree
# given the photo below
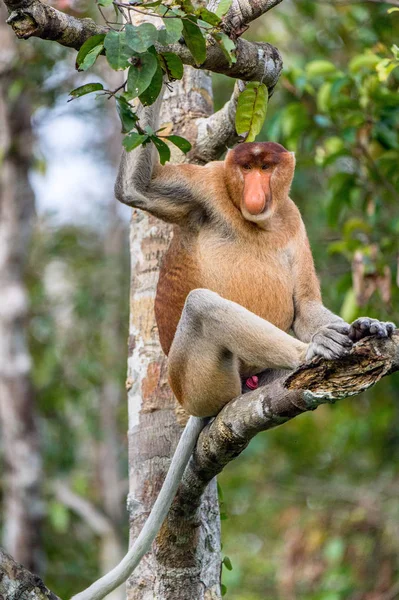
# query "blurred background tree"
(310, 511)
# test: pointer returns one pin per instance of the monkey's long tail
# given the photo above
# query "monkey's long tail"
(119, 574)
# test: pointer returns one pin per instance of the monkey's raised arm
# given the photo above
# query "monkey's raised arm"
(166, 192)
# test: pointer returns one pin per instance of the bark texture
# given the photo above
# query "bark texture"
(17, 583)
(22, 507)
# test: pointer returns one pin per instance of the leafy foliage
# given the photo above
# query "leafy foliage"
(135, 48)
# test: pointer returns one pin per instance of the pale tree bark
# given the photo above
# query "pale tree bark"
(22, 506)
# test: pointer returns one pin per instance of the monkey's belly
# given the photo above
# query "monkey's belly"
(263, 285)
(265, 291)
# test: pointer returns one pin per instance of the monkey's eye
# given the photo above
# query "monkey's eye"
(265, 167)
(247, 167)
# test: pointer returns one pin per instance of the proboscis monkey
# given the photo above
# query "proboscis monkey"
(238, 276)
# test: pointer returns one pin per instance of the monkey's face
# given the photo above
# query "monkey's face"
(262, 174)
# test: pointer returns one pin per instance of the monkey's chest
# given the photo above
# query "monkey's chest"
(261, 281)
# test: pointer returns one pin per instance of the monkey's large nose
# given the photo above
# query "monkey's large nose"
(256, 192)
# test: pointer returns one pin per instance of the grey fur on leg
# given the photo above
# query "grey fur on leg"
(365, 326)
(331, 341)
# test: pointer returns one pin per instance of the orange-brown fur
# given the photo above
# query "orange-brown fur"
(253, 265)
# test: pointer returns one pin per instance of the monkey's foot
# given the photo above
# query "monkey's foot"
(364, 327)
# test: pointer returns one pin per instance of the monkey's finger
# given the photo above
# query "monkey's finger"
(343, 340)
(390, 327)
(327, 348)
(378, 329)
(341, 327)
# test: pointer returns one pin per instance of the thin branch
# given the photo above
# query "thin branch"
(217, 133)
(97, 520)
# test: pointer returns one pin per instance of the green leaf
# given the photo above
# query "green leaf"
(163, 149)
(318, 68)
(223, 7)
(195, 41)
(133, 140)
(174, 65)
(142, 37)
(104, 2)
(208, 16)
(117, 51)
(183, 144)
(227, 563)
(223, 589)
(86, 89)
(363, 61)
(88, 53)
(227, 45)
(141, 73)
(172, 32)
(392, 10)
(127, 116)
(251, 110)
(152, 92)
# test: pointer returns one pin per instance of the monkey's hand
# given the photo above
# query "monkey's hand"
(330, 341)
(364, 326)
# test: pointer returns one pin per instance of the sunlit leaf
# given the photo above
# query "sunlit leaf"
(89, 51)
(318, 68)
(251, 110)
(223, 7)
(363, 61)
(227, 45)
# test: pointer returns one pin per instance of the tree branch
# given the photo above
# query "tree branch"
(283, 398)
(243, 12)
(17, 583)
(30, 18)
(218, 132)
(255, 61)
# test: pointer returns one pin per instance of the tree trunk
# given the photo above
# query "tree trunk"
(153, 425)
(22, 510)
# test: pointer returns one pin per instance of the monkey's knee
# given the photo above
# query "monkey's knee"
(199, 302)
